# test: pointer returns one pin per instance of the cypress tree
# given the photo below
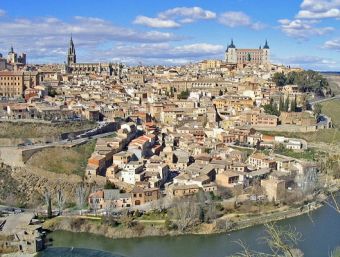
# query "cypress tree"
(293, 105)
(281, 104)
(286, 104)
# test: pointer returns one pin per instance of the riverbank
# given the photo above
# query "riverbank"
(318, 239)
(221, 225)
(19, 255)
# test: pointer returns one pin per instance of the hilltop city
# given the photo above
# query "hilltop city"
(208, 146)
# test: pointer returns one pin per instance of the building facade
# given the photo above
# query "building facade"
(11, 84)
(14, 58)
(240, 56)
(85, 68)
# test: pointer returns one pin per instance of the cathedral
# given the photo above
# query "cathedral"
(241, 57)
(85, 68)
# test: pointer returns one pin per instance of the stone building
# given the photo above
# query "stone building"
(14, 58)
(240, 56)
(85, 68)
(11, 84)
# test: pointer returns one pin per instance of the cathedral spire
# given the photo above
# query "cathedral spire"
(71, 56)
(266, 46)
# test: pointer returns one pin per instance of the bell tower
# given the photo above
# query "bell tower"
(71, 54)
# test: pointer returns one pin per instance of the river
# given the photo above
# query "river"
(321, 234)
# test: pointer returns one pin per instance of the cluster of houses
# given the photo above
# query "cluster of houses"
(180, 125)
(151, 160)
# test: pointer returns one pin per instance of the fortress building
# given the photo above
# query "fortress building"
(85, 68)
(240, 56)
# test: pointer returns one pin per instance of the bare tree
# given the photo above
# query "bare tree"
(109, 206)
(335, 252)
(95, 205)
(48, 202)
(185, 212)
(60, 200)
(80, 196)
(281, 242)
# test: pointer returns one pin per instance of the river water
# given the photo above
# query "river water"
(321, 234)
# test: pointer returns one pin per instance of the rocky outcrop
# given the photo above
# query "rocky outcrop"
(25, 186)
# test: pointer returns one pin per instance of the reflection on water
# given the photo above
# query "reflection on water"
(321, 234)
(75, 252)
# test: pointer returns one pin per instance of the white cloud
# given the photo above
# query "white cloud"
(305, 14)
(173, 18)
(156, 53)
(166, 51)
(155, 22)
(319, 9)
(193, 13)
(236, 19)
(302, 29)
(82, 27)
(45, 39)
(2, 12)
(332, 44)
(308, 62)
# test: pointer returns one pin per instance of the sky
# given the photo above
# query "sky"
(303, 33)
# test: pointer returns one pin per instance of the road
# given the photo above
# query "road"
(12, 155)
(324, 100)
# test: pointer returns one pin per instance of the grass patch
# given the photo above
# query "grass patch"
(36, 130)
(329, 136)
(64, 160)
(332, 109)
(334, 82)
(153, 215)
(248, 151)
(308, 154)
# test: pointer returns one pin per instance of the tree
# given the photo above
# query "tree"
(109, 185)
(317, 109)
(293, 105)
(304, 102)
(286, 105)
(185, 212)
(60, 200)
(184, 94)
(80, 196)
(281, 104)
(279, 79)
(280, 240)
(48, 202)
(336, 252)
(51, 91)
(271, 109)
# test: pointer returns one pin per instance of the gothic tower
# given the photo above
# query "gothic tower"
(266, 53)
(230, 53)
(71, 55)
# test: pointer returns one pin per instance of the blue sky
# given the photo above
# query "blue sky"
(302, 33)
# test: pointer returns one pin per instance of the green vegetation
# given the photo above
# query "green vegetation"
(308, 154)
(317, 110)
(51, 91)
(332, 109)
(271, 109)
(154, 215)
(308, 81)
(334, 82)
(64, 160)
(184, 94)
(37, 130)
(286, 105)
(328, 136)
